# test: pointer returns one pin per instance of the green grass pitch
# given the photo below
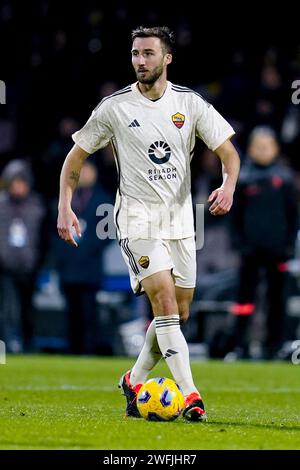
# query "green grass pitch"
(57, 402)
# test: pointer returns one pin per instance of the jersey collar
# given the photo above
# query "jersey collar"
(143, 98)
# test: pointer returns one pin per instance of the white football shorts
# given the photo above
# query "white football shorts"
(145, 257)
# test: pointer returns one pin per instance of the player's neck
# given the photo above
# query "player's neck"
(154, 91)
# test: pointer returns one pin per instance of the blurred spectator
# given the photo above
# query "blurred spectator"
(270, 98)
(107, 88)
(22, 245)
(53, 158)
(216, 253)
(216, 260)
(265, 223)
(80, 269)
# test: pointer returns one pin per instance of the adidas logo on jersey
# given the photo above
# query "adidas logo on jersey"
(134, 123)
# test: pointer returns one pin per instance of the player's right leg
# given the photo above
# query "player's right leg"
(143, 258)
(161, 291)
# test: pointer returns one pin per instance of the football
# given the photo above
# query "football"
(160, 399)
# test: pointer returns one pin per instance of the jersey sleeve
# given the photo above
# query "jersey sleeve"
(96, 133)
(211, 127)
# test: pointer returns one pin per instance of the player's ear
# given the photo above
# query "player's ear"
(168, 59)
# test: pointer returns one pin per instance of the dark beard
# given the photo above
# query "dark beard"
(156, 73)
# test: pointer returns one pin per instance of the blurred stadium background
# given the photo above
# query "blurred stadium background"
(58, 60)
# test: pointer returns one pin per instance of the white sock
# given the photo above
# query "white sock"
(175, 350)
(148, 357)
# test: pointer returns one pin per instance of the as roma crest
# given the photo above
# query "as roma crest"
(178, 119)
(144, 261)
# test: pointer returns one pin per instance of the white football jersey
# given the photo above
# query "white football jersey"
(153, 144)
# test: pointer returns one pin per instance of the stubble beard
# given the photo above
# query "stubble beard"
(153, 76)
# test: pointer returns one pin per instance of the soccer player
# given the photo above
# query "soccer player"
(152, 126)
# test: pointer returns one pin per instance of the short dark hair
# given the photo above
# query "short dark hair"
(263, 130)
(162, 32)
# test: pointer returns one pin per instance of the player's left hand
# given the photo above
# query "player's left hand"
(221, 199)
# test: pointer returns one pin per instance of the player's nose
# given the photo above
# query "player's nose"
(141, 60)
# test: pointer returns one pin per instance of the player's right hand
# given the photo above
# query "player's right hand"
(65, 222)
